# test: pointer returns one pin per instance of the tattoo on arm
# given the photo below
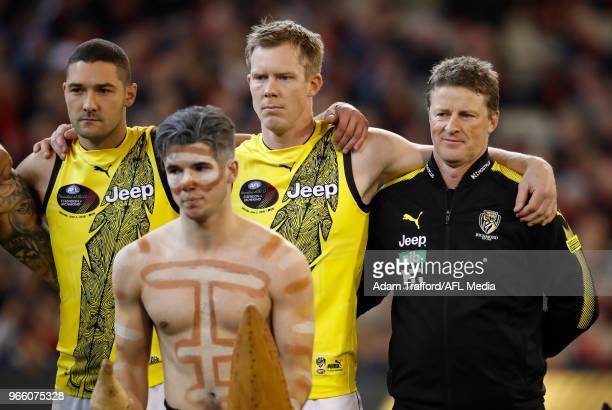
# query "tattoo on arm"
(21, 230)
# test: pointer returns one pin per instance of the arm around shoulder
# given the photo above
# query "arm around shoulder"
(240, 138)
(538, 182)
(6, 163)
(385, 156)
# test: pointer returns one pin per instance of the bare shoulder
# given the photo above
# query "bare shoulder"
(284, 262)
(128, 259)
(270, 248)
(285, 253)
(157, 239)
(150, 248)
(36, 171)
(145, 250)
(126, 267)
(128, 264)
(289, 271)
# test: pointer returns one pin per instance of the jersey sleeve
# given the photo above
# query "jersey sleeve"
(568, 315)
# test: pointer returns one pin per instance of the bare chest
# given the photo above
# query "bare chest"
(182, 295)
(196, 307)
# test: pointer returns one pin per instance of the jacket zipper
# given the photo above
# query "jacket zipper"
(447, 220)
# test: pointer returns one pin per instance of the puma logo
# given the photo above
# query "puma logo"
(408, 217)
(97, 168)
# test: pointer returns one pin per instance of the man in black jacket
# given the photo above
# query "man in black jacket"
(471, 352)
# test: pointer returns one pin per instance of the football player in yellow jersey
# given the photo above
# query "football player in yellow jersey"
(195, 287)
(383, 157)
(98, 90)
(320, 203)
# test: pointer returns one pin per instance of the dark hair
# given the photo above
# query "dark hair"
(98, 49)
(209, 125)
(469, 72)
(270, 34)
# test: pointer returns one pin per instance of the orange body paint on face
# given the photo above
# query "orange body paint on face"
(190, 167)
(205, 349)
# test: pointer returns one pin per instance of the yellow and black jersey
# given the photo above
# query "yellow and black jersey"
(97, 202)
(307, 194)
(467, 352)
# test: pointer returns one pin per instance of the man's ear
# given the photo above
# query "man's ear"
(232, 170)
(493, 121)
(130, 95)
(316, 82)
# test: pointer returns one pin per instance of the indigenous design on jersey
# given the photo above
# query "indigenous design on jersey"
(319, 210)
(311, 194)
(123, 220)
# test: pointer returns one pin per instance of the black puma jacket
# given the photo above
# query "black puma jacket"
(473, 352)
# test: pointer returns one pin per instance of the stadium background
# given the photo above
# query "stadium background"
(554, 58)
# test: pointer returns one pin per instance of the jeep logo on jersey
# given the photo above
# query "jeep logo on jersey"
(77, 199)
(306, 191)
(143, 192)
(489, 221)
(258, 194)
(419, 241)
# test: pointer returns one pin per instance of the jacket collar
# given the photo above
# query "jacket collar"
(478, 168)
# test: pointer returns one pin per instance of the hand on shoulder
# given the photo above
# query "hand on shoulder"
(6, 163)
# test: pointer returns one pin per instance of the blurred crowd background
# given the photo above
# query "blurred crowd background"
(554, 58)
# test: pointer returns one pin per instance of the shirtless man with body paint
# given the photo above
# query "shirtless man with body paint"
(193, 278)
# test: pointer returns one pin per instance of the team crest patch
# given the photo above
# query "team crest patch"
(489, 221)
(330, 365)
(320, 364)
